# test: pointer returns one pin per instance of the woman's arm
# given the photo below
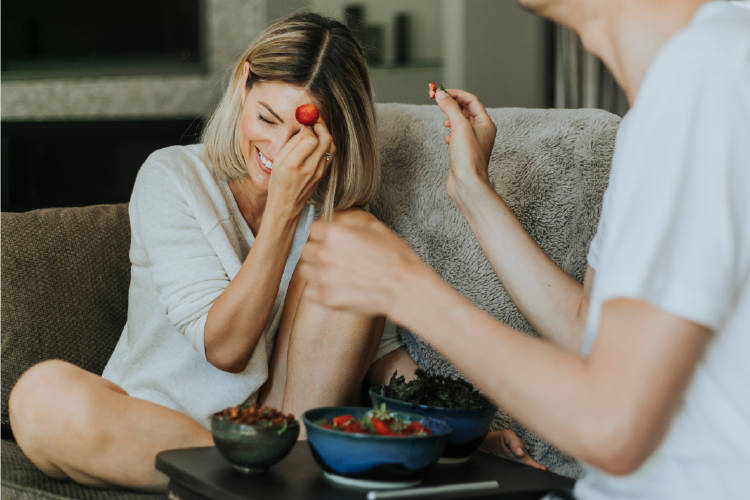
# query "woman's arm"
(553, 301)
(239, 315)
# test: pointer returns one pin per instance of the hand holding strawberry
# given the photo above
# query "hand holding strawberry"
(471, 137)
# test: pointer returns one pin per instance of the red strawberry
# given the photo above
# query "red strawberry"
(307, 114)
(381, 428)
(354, 426)
(342, 421)
(416, 427)
(431, 90)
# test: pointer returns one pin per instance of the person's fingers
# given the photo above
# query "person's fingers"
(300, 147)
(477, 115)
(447, 124)
(514, 445)
(470, 103)
(452, 109)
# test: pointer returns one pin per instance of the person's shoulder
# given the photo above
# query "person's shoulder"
(176, 158)
(718, 38)
(177, 164)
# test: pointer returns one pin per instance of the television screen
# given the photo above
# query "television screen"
(90, 36)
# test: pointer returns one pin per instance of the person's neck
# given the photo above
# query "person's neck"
(628, 36)
(251, 203)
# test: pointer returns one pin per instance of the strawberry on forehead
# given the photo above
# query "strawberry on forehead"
(307, 114)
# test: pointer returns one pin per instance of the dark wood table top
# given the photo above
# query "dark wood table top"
(204, 473)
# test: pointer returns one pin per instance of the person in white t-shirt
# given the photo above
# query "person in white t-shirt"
(643, 370)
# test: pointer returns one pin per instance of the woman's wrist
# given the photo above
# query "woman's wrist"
(282, 213)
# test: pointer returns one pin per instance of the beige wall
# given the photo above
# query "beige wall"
(502, 53)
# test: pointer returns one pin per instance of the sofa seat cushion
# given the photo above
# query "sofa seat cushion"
(22, 480)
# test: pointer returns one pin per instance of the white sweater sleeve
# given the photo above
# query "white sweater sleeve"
(185, 269)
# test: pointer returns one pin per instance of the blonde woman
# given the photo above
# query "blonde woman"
(217, 230)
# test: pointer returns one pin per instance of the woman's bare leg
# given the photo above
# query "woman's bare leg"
(396, 361)
(321, 355)
(72, 423)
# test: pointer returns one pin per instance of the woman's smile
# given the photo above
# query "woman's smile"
(264, 163)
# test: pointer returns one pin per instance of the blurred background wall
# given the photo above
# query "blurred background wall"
(90, 88)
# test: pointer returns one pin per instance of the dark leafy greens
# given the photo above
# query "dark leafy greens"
(434, 390)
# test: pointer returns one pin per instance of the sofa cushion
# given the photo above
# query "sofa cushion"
(65, 276)
(23, 481)
(551, 168)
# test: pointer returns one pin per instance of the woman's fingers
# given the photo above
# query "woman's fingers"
(298, 148)
(508, 445)
(324, 153)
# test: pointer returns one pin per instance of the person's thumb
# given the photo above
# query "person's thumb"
(450, 107)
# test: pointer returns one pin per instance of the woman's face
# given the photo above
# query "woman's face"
(267, 123)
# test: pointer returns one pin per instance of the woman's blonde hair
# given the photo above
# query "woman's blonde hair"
(321, 55)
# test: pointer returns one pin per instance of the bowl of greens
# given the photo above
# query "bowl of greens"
(455, 401)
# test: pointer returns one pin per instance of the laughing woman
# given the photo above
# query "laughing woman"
(215, 314)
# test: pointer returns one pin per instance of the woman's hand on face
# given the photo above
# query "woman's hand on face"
(355, 263)
(299, 166)
(472, 135)
(508, 445)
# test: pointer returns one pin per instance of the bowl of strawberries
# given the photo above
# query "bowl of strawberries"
(374, 447)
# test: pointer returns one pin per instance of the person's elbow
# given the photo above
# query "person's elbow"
(226, 360)
(618, 444)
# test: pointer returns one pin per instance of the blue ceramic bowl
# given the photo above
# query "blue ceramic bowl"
(470, 425)
(252, 448)
(373, 457)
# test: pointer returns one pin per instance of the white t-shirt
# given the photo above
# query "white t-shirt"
(188, 241)
(675, 232)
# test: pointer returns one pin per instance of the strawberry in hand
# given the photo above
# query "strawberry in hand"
(432, 89)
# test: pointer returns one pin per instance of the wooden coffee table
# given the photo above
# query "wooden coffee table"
(202, 473)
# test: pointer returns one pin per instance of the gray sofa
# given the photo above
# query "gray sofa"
(65, 271)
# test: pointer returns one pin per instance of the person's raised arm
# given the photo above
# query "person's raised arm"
(239, 315)
(611, 409)
(553, 301)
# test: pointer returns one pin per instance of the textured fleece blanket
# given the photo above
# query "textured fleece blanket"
(550, 166)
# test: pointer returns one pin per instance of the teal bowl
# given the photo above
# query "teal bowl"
(252, 448)
(399, 460)
(470, 425)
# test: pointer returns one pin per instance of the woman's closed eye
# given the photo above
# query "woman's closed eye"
(266, 120)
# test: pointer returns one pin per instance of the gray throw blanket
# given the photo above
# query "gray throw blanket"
(550, 166)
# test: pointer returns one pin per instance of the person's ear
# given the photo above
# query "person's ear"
(243, 80)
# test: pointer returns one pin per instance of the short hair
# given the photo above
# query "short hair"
(321, 55)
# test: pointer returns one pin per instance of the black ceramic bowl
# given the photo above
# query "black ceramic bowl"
(252, 448)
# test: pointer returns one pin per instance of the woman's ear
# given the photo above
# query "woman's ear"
(243, 80)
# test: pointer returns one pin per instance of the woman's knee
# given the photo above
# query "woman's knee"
(48, 397)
